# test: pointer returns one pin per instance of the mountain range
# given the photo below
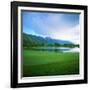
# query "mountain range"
(29, 39)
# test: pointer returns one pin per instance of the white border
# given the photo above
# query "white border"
(51, 78)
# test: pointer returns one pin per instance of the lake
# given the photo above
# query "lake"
(57, 49)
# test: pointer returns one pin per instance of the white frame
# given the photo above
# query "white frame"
(51, 78)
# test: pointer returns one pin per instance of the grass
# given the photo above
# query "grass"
(44, 63)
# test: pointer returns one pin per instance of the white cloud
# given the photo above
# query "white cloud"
(71, 34)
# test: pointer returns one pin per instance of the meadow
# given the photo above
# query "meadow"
(46, 63)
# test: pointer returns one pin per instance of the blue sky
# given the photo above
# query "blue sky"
(63, 26)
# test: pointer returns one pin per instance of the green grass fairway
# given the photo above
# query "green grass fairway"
(44, 63)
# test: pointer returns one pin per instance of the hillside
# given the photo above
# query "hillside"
(32, 40)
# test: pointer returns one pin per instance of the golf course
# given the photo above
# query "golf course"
(45, 63)
(50, 43)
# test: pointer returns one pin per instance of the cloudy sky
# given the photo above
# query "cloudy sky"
(62, 26)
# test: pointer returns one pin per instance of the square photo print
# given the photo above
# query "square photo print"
(51, 43)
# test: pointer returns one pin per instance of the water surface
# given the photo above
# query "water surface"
(57, 49)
